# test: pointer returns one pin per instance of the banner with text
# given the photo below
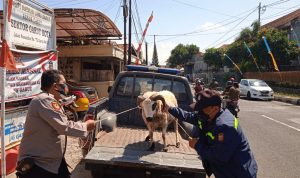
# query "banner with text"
(14, 127)
(31, 27)
(27, 81)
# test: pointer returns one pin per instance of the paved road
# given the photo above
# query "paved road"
(273, 130)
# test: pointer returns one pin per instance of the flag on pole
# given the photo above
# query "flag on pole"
(143, 37)
(7, 58)
(271, 54)
(250, 53)
(9, 9)
(234, 64)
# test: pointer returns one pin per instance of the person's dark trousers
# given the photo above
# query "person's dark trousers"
(38, 172)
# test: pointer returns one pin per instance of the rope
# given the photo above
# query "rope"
(89, 137)
(183, 129)
(117, 114)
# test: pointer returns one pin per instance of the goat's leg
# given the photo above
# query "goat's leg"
(176, 132)
(164, 131)
(151, 141)
(147, 139)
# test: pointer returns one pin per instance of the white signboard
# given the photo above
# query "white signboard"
(14, 126)
(31, 27)
(27, 81)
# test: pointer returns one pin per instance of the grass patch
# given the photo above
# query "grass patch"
(287, 94)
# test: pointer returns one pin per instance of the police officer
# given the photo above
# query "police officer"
(42, 147)
(222, 145)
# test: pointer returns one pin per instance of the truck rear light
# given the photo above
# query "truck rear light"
(79, 94)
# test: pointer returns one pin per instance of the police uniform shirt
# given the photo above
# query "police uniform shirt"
(45, 127)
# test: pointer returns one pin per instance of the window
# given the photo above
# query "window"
(244, 82)
(142, 85)
(258, 83)
(125, 86)
(161, 84)
(179, 91)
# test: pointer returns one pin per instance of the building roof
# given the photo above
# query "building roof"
(82, 23)
(85, 23)
(283, 20)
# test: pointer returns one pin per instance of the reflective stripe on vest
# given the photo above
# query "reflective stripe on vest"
(200, 124)
(210, 135)
(236, 123)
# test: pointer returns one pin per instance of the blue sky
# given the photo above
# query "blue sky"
(212, 22)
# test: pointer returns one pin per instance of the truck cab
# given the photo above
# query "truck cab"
(132, 83)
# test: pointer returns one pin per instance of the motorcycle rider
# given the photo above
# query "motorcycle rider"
(199, 86)
(232, 94)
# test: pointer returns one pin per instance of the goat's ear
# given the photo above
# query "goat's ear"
(139, 100)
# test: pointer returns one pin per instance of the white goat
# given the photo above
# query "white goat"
(155, 114)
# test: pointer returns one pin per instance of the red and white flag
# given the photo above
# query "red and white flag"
(142, 39)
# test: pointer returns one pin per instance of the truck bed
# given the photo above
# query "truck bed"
(125, 148)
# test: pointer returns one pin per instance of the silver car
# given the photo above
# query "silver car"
(254, 88)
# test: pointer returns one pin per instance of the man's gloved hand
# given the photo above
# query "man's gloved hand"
(90, 125)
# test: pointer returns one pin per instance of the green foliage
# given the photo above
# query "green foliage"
(283, 50)
(181, 54)
(155, 56)
(214, 57)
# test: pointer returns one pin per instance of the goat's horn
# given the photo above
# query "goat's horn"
(159, 97)
(140, 99)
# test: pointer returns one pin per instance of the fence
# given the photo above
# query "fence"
(291, 77)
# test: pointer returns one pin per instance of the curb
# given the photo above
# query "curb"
(287, 100)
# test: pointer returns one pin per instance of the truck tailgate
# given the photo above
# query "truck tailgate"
(125, 147)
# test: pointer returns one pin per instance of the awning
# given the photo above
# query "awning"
(84, 24)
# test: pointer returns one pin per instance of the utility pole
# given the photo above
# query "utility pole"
(259, 10)
(125, 14)
(146, 45)
(129, 43)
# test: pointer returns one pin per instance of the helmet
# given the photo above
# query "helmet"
(199, 82)
(229, 83)
(208, 98)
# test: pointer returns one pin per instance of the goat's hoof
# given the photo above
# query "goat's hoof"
(177, 144)
(152, 147)
(165, 150)
(147, 139)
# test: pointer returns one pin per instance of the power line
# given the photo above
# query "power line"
(228, 38)
(135, 29)
(109, 8)
(118, 12)
(191, 35)
(232, 28)
(276, 3)
(197, 7)
(281, 12)
(138, 16)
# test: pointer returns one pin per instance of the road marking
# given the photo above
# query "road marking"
(297, 121)
(281, 123)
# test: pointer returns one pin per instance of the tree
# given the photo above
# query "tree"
(283, 50)
(155, 56)
(181, 54)
(214, 57)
